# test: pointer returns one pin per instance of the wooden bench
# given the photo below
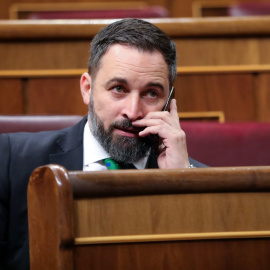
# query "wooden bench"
(241, 93)
(151, 219)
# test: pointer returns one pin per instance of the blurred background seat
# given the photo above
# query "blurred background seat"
(34, 123)
(90, 10)
(249, 9)
(213, 8)
(228, 144)
(213, 143)
(147, 12)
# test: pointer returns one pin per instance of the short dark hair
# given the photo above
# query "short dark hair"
(135, 33)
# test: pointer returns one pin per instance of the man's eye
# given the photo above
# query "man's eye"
(152, 94)
(118, 89)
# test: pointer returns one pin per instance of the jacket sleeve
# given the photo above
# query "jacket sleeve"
(4, 195)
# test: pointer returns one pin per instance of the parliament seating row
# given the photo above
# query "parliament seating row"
(223, 65)
(210, 8)
(213, 143)
(45, 44)
(105, 10)
(110, 10)
(240, 92)
(176, 8)
(201, 219)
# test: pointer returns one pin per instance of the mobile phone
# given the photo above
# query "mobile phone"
(171, 95)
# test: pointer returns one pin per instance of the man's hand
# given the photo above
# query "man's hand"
(173, 149)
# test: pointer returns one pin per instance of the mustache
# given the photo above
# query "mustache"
(126, 123)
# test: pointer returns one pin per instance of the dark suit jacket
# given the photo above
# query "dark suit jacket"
(20, 154)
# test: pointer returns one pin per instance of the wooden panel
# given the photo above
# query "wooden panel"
(210, 255)
(44, 55)
(55, 96)
(210, 8)
(225, 199)
(176, 8)
(191, 52)
(223, 51)
(11, 96)
(263, 97)
(23, 10)
(227, 89)
(5, 4)
(231, 93)
(144, 215)
(200, 42)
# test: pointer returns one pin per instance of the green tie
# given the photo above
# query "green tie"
(112, 164)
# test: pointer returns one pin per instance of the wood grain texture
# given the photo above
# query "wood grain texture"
(230, 93)
(55, 96)
(11, 96)
(190, 213)
(176, 8)
(234, 254)
(27, 29)
(132, 202)
(51, 225)
(262, 99)
(228, 89)
(200, 42)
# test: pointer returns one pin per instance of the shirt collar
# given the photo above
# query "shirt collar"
(94, 152)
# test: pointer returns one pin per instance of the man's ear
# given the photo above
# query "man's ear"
(86, 84)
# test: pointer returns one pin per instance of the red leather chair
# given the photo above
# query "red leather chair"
(228, 144)
(249, 9)
(34, 123)
(212, 143)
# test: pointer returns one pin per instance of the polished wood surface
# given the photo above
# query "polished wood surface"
(146, 219)
(54, 226)
(11, 96)
(64, 44)
(200, 90)
(23, 10)
(215, 73)
(211, 254)
(183, 8)
(7, 5)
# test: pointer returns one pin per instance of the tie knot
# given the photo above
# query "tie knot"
(112, 164)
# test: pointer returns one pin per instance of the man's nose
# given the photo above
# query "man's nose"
(133, 108)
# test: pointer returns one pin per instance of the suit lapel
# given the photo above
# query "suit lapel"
(70, 148)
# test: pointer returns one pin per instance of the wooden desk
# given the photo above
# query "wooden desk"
(64, 44)
(223, 64)
(242, 93)
(213, 218)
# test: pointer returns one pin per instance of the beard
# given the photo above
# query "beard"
(122, 149)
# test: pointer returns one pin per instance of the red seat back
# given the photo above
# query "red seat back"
(249, 9)
(228, 144)
(34, 123)
(146, 12)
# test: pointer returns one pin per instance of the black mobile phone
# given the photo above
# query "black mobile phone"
(171, 95)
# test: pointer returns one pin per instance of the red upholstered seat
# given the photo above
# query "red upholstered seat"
(146, 12)
(228, 144)
(249, 9)
(34, 123)
(212, 143)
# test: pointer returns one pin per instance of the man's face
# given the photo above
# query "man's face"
(128, 85)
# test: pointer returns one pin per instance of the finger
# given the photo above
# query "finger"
(174, 111)
(173, 108)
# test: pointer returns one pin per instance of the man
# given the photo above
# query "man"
(132, 67)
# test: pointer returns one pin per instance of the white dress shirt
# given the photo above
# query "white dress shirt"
(94, 153)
